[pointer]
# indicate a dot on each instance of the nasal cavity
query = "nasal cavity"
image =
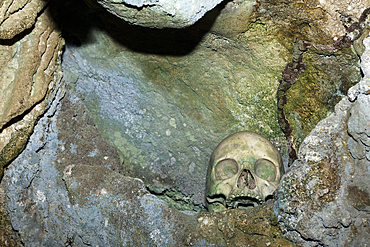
(246, 179)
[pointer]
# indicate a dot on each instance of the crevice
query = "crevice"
(175, 199)
(289, 75)
(296, 66)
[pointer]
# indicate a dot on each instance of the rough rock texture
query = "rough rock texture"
(165, 98)
(30, 68)
(324, 199)
(233, 17)
(64, 191)
(235, 227)
(166, 111)
(17, 16)
(30, 49)
(325, 81)
(336, 10)
(317, 21)
(158, 13)
(56, 199)
(173, 95)
(327, 73)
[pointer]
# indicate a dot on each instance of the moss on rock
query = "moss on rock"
(324, 82)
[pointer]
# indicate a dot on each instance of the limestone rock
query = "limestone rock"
(325, 81)
(159, 13)
(359, 120)
(234, 18)
(318, 21)
(166, 111)
(327, 75)
(362, 87)
(165, 98)
(61, 191)
(17, 16)
(336, 10)
(323, 199)
(256, 227)
(179, 92)
(29, 74)
(30, 70)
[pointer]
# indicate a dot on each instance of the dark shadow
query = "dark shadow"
(73, 18)
(77, 20)
(16, 38)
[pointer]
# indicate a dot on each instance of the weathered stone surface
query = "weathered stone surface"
(68, 187)
(8, 237)
(166, 112)
(234, 18)
(336, 10)
(254, 227)
(17, 16)
(317, 21)
(325, 81)
(359, 120)
(322, 200)
(29, 72)
(363, 87)
(326, 74)
(62, 191)
(194, 88)
(53, 201)
(159, 13)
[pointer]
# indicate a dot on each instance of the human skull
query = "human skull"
(244, 171)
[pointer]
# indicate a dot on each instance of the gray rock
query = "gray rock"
(52, 202)
(359, 121)
(324, 199)
(159, 13)
(357, 149)
(362, 87)
(166, 114)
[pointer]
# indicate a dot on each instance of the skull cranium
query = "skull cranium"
(244, 171)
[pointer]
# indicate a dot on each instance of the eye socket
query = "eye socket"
(226, 169)
(265, 169)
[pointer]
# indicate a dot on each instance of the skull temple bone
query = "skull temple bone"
(244, 171)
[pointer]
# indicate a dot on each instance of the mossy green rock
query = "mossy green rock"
(166, 112)
(166, 98)
(326, 80)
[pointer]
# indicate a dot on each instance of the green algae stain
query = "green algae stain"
(129, 151)
(325, 81)
(228, 84)
(192, 84)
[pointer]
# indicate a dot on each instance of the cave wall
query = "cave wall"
(324, 199)
(116, 152)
